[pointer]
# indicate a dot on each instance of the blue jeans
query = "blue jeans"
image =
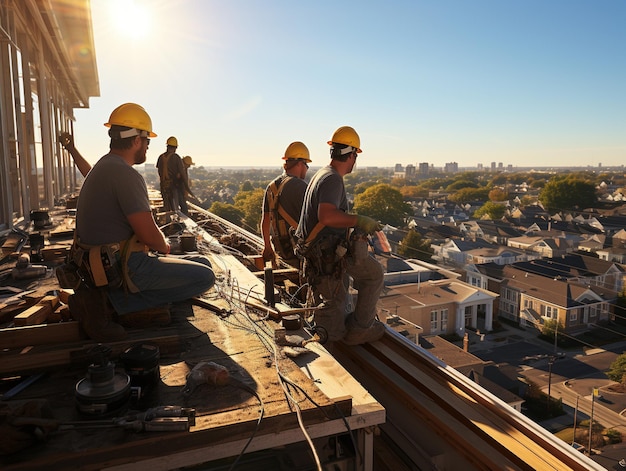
(162, 280)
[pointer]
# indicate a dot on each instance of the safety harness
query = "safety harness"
(280, 220)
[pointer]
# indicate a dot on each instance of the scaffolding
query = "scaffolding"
(47, 69)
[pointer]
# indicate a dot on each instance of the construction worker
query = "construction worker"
(330, 252)
(115, 230)
(282, 204)
(184, 190)
(171, 174)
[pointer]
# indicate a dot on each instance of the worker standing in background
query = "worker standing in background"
(115, 230)
(185, 189)
(282, 204)
(330, 252)
(171, 175)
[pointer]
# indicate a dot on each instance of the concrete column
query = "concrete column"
(460, 321)
(489, 315)
(475, 316)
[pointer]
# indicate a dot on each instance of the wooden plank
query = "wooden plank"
(43, 334)
(37, 314)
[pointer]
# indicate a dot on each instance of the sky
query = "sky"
(530, 83)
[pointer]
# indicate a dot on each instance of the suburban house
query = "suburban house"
(441, 307)
(532, 299)
(454, 251)
(575, 288)
(544, 246)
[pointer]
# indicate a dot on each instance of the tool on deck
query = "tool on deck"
(156, 419)
(24, 269)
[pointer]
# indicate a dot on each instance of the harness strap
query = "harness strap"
(275, 205)
(96, 267)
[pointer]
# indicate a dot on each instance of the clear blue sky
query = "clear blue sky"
(527, 83)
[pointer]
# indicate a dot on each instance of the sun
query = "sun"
(131, 18)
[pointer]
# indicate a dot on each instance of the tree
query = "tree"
(250, 203)
(227, 211)
(498, 194)
(383, 203)
(617, 370)
(415, 246)
(549, 326)
(467, 195)
(567, 193)
(491, 209)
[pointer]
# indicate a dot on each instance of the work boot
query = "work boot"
(152, 317)
(92, 309)
(358, 335)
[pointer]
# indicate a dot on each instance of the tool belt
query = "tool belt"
(100, 265)
(324, 256)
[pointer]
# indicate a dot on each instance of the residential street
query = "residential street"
(571, 377)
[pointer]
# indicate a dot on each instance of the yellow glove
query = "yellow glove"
(367, 224)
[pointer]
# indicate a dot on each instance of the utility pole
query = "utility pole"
(575, 420)
(556, 329)
(550, 362)
(593, 397)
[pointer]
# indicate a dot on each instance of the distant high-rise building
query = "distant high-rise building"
(493, 166)
(509, 168)
(409, 171)
(423, 168)
(480, 166)
(451, 167)
(500, 166)
(398, 168)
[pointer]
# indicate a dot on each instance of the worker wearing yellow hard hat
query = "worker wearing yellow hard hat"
(120, 281)
(282, 203)
(172, 177)
(323, 231)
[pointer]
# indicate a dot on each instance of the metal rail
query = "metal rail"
(440, 419)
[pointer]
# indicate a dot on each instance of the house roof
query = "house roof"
(505, 394)
(449, 353)
(569, 266)
(555, 291)
(432, 293)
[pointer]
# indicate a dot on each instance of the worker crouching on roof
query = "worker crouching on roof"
(331, 252)
(282, 204)
(115, 230)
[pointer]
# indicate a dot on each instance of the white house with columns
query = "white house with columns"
(441, 307)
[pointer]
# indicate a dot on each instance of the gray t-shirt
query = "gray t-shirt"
(111, 191)
(326, 186)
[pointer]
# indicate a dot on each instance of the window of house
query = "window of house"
(573, 315)
(444, 320)
(433, 321)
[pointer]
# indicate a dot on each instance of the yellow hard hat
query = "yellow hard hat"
(187, 161)
(131, 115)
(347, 136)
(297, 150)
(172, 141)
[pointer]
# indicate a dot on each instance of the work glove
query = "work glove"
(367, 224)
(66, 140)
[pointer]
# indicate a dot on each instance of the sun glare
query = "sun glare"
(131, 18)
